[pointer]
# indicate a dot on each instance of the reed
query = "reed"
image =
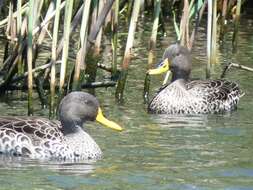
(209, 37)
(99, 23)
(20, 36)
(66, 34)
(23, 10)
(199, 8)
(94, 32)
(129, 8)
(93, 52)
(152, 41)
(83, 42)
(184, 25)
(151, 50)
(11, 25)
(128, 51)
(194, 9)
(39, 38)
(223, 19)
(99, 36)
(32, 11)
(115, 36)
(94, 12)
(44, 27)
(214, 32)
(52, 106)
(236, 23)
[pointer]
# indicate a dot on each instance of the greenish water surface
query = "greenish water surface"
(154, 151)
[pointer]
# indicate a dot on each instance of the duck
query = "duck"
(185, 96)
(63, 139)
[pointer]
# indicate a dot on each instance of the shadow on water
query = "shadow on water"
(64, 167)
(175, 121)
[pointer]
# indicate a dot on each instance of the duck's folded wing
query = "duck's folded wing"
(34, 127)
(225, 94)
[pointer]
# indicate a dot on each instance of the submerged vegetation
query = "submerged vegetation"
(26, 25)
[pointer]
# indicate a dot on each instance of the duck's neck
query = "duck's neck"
(77, 138)
(70, 127)
(83, 145)
(180, 75)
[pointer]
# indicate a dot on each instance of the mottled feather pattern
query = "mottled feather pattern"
(41, 138)
(13, 142)
(38, 128)
(196, 97)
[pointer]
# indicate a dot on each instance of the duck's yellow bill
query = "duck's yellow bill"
(101, 119)
(162, 68)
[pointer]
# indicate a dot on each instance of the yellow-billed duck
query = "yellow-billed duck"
(185, 96)
(41, 138)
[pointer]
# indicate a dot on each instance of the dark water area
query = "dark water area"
(154, 151)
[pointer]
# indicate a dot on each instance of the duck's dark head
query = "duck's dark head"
(177, 59)
(78, 107)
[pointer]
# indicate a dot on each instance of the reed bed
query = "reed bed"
(25, 25)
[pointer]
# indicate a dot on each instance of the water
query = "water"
(154, 152)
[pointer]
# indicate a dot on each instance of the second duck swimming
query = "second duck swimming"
(185, 96)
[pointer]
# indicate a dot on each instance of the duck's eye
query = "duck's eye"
(88, 102)
(159, 64)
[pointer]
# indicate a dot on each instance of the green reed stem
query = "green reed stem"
(128, 51)
(152, 46)
(115, 36)
(30, 55)
(236, 25)
(99, 36)
(152, 41)
(198, 18)
(82, 51)
(94, 12)
(84, 24)
(24, 8)
(214, 32)
(100, 21)
(19, 16)
(93, 53)
(44, 28)
(66, 34)
(223, 19)
(52, 106)
(19, 24)
(209, 37)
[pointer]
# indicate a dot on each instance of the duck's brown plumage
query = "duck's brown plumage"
(185, 96)
(36, 128)
(41, 138)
